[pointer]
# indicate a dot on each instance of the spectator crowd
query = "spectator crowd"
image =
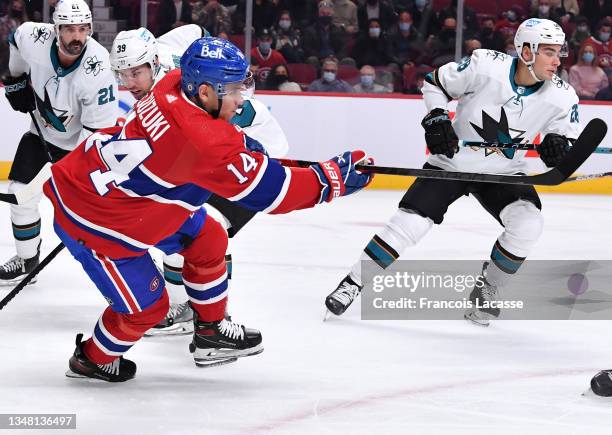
(369, 46)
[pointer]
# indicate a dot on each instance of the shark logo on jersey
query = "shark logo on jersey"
(92, 65)
(53, 117)
(40, 34)
(498, 131)
(557, 81)
(496, 55)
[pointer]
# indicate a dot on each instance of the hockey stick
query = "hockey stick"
(43, 142)
(34, 187)
(588, 177)
(30, 276)
(589, 139)
(518, 146)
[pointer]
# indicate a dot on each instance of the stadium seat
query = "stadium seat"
(152, 11)
(302, 73)
(238, 40)
(484, 7)
(348, 73)
(408, 77)
(505, 5)
(440, 4)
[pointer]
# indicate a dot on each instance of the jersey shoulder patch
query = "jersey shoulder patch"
(38, 33)
(564, 93)
(95, 60)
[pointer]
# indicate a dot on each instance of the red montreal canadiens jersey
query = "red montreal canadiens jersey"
(123, 190)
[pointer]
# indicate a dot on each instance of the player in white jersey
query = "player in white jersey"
(139, 61)
(62, 76)
(500, 99)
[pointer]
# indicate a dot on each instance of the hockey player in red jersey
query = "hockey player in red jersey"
(125, 190)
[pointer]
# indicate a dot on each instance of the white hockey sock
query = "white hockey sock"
(404, 229)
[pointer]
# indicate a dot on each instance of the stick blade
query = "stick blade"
(590, 138)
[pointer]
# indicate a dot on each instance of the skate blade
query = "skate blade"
(472, 317)
(590, 394)
(74, 375)
(203, 357)
(14, 282)
(176, 329)
(209, 364)
(327, 314)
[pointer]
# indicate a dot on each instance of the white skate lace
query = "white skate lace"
(232, 330)
(489, 292)
(112, 368)
(176, 310)
(13, 264)
(346, 293)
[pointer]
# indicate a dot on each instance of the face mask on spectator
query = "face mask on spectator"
(374, 32)
(16, 12)
(588, 57)
(544, 9)
(329, 76)
(487, 31)
(367, 80)
(604, 36)
(420, 3)
(265, 46)
(511, 15)
(325, 20)
(404, 27)
(284, 24)
(582, 29)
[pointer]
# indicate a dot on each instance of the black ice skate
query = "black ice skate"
(80, 366)
(482, 294)
(222, 342)
(340, 299)
(178, 321)
(15, 270)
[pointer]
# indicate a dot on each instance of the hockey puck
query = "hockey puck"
(577, 284)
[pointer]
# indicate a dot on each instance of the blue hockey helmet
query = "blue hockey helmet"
(213, 61)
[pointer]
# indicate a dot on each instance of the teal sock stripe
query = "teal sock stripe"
(173, 277)
(228, 265)
(379, 251)
(504, 260)
(26, 232)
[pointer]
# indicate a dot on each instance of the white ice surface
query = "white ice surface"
(344, 376)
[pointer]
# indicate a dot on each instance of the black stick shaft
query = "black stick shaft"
(43, 142)
(30, 276)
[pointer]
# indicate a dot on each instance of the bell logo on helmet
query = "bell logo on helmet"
(532, 22)
(212, 54)
(145, 35)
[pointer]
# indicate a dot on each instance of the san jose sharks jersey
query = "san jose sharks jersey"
(70, 101)
(493, 108)
(254, 117)
(173, 44)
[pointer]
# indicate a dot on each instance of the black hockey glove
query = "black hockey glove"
(553, 148)
(19, 92)
(439, 133)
